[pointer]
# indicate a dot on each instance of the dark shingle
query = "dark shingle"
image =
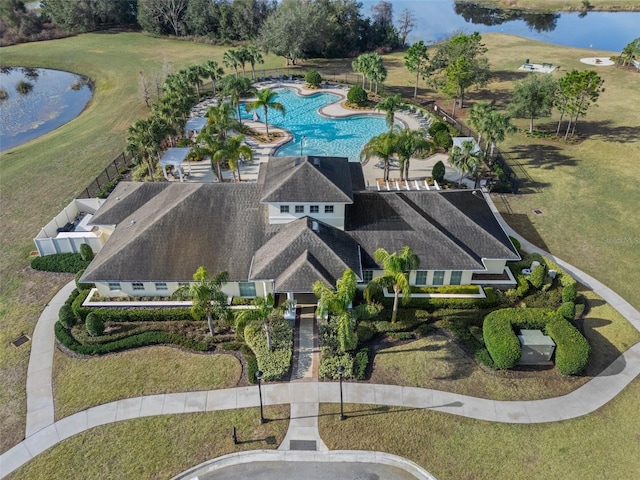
(125, 198)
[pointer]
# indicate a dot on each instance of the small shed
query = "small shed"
(537, 348)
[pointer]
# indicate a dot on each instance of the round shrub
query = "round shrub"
(443, 140)
(313, 78)
(438, 171)
(82, 286)
(94, 325)
(537, 277)
(86, 253)
(569, 293)
(66, 316)
(567, 310)
(438, 127)
(357, 95)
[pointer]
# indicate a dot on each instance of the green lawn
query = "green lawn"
(603, 444)
(144, 371)
(156, 447)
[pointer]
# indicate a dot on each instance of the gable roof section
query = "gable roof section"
(447, 230)
(185, 226)
(328, 249)
(126, 198)
(296, 277)
(307, 179)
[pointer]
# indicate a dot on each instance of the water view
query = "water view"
(438, 19)
(37, 102)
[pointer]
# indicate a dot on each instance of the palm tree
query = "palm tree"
(478, 116)
(232, 150)
(144, 139)
(382, 146)
(254, 56)
(237, 88)
(337, 302)
(264, 311)
(220, 119)
(194, 74)
(265, 100)
(396, 275)
(213, 71)
(390, 105)
(230, 60)
(408, 144)
(206, 294)
(498, 125)
(464, 159)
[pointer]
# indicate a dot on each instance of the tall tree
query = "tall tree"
(497, 127)
(390, 105)
(237, 88)
(233, 151)
(266, 100)
(214, 72)
(162, 16)
(206, 294)
(464, 159)
(478, 116)
(580, 90)
(144, 140)
(409, 143)
(406, 23)
(533, 97)
(381, 146)
(220, 119)
(396, 268)
(254, 57)
(630, 52)
(417, 61)
(230, 59)
(462, 64)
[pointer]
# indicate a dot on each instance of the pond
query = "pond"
(37, 102)
(438, 19)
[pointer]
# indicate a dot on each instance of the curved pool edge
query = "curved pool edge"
(335, 456)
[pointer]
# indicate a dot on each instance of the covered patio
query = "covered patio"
(194, 126)
(175, 157)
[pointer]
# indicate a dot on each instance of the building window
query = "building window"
(299, 208)
(438, 278)
(137, 286)
(421, 277)
(314, 209)
(114, 286)
(284, 208)
(328, 209)
(456, 278)
(183, 284)
(161, 286)
(247, 289)
(367, 276)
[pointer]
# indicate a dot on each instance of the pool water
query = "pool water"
(342, 137)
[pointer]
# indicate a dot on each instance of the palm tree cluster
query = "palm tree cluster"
(370, 66)
(491, 125)
(235, 58)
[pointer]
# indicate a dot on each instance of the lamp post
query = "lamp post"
(302, 143)
(259, 377)
(340, 373)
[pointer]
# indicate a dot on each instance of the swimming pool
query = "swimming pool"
(337, 137)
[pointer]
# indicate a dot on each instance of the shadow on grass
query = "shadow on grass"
(542, 156)
(521, 223)
(603, 352)
(271, 440)
(383, 409)
(426, 348)
(604, 130)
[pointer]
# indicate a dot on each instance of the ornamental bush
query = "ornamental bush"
(569, 293)
(567, 310)
(438, 127)
(329, 366)
(149, 314)
(60, 262)
(516, 243)
(313, 78)
(357, 95)
(572, 349)
(443, 140)
(273, 363)
(360, 363)
(83, 286)
(94, 325)
(537, 276)
(86, 253)
(66, 316)
(78, 310)
(438, 171)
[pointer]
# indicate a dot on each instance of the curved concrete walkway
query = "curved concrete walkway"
(43, 433)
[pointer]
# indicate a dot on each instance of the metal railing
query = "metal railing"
(110, 174)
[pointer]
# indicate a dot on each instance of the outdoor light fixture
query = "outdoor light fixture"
(259, 377)
(340, 373)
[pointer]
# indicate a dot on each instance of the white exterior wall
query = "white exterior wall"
(231, 289)
(494, 266)
(335, 219)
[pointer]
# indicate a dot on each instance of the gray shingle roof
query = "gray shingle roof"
(332, 248)
(126, 197)
(447, 230)
(307, 179)
(302, 273)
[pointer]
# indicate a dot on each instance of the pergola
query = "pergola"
(175, 157)
(194, 126)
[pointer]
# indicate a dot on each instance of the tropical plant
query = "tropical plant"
(254, 56)
(464, 159)
(194, 74)
(417, 61)
(220, 119)
(396, 267)
(232, 150)
(264, 311)
(230, 60)
(390, 105)
(497, 127)
(237, 88)
(409, 143)
(478, 116)
(382, 146)
(265, 99)
(213, 71)
(630, 52)
(206, 294)
(143, 141)
(438, 171)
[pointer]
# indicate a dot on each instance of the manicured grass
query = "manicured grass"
(603, 444)
(156, 447)
(42, 176)
(83, 383)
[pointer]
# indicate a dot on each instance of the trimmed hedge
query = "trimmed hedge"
(357, 95)
(140, 340)
(360, 363)
(83, 286)
(151, 314)
(563, 277)
(569, 293)
(447, 289)
(60, 262)
(567, 310)
(433, 304)
(86, 252)
(329, 366)
(273, 363)
(78, 310)
(94, 325)
(249, 356)
(537, 276)
(572, 349)
(313, 78)
(66, 316)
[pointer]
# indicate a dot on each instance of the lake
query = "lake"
(54, 99)
(438, 19)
